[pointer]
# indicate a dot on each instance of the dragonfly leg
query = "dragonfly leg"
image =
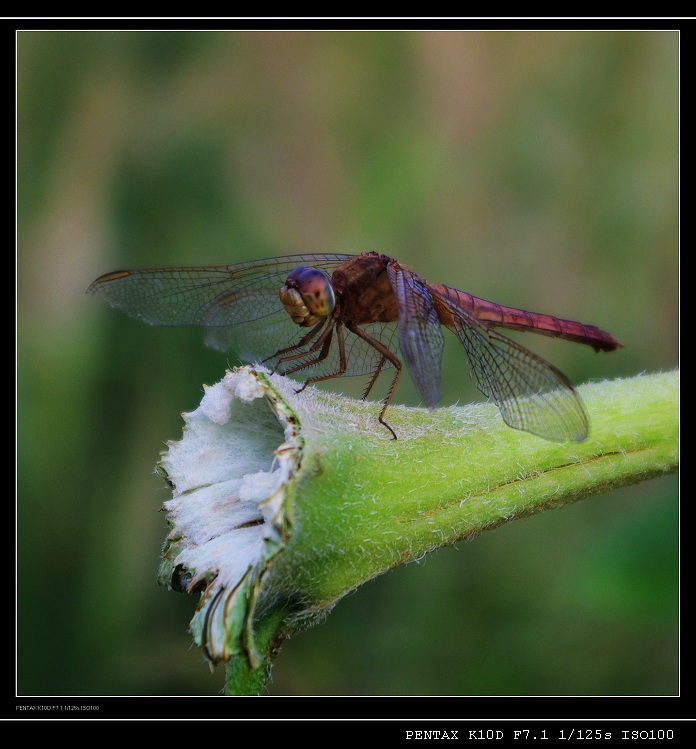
(281, 353)
(387, 355)
(325, 350)
(322, 344)
(316, 360)
(373, 379)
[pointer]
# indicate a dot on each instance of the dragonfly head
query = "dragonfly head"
(308, 296)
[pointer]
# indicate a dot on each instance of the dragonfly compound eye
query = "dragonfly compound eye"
(315, 287)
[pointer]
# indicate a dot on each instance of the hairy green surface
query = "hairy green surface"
(370, 503)
(364, 503)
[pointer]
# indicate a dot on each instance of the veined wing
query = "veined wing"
(239, 307)
(238, 304)
(531, 393)
(209, 296)
(420, 334)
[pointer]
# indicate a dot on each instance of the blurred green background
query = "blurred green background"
(538, 170)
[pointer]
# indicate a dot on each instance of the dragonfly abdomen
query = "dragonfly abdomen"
(496, 315)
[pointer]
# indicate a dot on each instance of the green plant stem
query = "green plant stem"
(363, 503)
(245, 679)
(453, 473)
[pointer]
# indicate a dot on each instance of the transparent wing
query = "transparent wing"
(420, 334)
(210, 296)
(239, 307)
(237, 304)
(531, 393)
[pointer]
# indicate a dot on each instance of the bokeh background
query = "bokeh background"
(537, 169)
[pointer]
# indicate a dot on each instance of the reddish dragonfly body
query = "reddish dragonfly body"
(355, 314)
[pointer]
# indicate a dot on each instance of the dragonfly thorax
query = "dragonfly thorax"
(308, 296)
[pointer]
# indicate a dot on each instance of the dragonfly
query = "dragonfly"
(323, 316)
